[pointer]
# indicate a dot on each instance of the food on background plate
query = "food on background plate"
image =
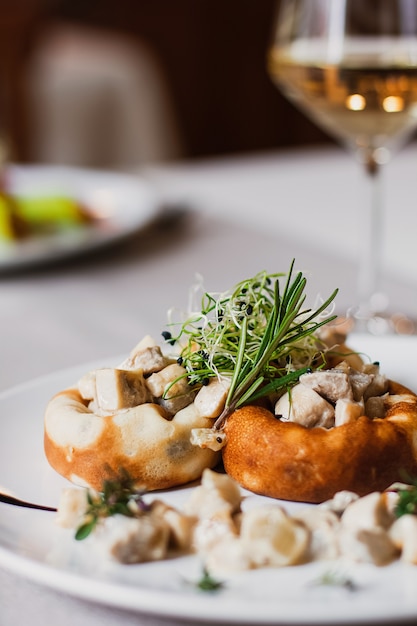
(27, 216)
(252, 377)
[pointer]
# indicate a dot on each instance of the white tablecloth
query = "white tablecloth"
(246, 214)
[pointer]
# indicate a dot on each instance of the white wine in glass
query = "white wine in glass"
(351, 66)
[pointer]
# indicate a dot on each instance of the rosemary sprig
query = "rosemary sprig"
(259, 338)
(118, 497)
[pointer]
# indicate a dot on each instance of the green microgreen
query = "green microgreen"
(260, 339)
(118, 497)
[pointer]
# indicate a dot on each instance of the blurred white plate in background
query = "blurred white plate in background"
(121, 203)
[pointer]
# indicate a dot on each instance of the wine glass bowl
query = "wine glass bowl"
(351, 66)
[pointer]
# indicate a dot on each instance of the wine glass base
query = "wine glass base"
(382, 323)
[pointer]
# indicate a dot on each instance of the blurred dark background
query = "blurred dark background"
(210, 53)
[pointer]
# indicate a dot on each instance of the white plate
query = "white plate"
(123, 203)
(31, 544)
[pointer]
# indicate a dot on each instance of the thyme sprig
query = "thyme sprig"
(336, 579)
(118, 497)
(260, 339)
(208, 583)
(407, 497)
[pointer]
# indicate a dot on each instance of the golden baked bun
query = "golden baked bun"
(286, 460)
(86, 447)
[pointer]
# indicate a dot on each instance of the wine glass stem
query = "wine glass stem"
(370, 253)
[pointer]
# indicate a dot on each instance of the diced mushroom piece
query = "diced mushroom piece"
(370, 368)
(170, 388)
(217, 541)
(87, 385)
(368, 512)
(364, 532)
(149, 360)
(174, 405)
(72, 508)
(146, 342)
(181, 526)
(391, 498)
(359, 382)
(119, 389)
(379, 384)
(271, 538)
(134, 539)
(403, 533)
(210, 400)
(340, 501)
(344, 366)
(367, 545)
(208, 438)
(158, 383)
(218, 493)
(323, 525)
(347, 411)
(375, 407)
(210, 531)
(330, 384)
(225, 486)
(227, 557)
(306, 407)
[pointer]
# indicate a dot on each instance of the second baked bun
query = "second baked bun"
(288, 461)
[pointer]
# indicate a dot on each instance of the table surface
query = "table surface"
(243, 214)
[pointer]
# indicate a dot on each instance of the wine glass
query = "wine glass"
(351, 66)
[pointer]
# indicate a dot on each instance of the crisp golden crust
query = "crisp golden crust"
(86, 448)
(288, 461)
